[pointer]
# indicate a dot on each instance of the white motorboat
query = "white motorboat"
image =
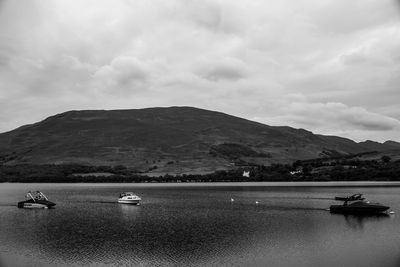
(129, 198)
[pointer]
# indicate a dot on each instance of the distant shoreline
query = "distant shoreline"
(321, 171)
(250, 184)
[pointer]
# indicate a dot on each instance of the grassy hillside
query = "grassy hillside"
(166, 140)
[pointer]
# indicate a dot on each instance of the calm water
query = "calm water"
(195, 225)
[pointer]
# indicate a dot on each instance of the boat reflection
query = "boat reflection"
(129, 212)
(358, 221)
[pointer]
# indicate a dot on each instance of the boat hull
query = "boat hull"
(373, 209)
(129, 201)
(36, 205)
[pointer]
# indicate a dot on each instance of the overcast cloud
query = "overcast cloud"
(329, 66)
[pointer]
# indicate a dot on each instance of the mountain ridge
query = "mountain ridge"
(168, 140)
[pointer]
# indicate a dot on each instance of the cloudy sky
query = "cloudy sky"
(329, 66)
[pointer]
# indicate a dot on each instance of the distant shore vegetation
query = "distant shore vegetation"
(333, 169)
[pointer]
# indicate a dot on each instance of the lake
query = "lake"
(197, 225)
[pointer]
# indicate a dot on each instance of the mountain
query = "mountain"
(173, 140)
(372, 145)
(392, 144)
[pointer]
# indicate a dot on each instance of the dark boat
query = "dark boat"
(36, 200)
(356, 204)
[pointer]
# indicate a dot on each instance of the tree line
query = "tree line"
(338, 169)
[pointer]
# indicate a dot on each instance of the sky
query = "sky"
(328, 66)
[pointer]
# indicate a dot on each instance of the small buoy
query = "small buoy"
(256, 202)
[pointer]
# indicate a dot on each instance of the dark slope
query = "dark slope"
(392, 144)
(175, 139)
(386, 146)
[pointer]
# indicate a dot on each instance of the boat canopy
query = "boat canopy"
(350, 198)
(35, 195)
(126, 194)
